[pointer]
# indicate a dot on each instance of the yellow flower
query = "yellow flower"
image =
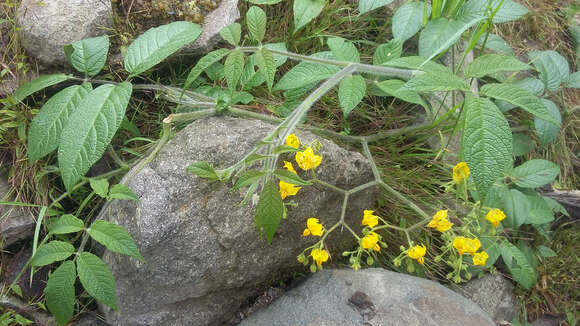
(460, 172)
(371, 241)
(440, 221)
(293, 141)
(288, 189)
(313, 227)
(417, 253)
(480, 258)
(466, 245)
(495, 216)
(319, 256)
(370, 219)
(289, 167)
(307, 159)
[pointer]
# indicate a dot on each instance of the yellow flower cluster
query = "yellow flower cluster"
(319, 256)
(370, 241)
(369, 218)
(440, 221)
(495, 216)
(460, 172)
(313, 227)
(307, 160)
(470, 246)
(418, 253)
(288, 189)
(293, 141)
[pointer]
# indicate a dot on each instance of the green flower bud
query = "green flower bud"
(411, 268)
(370, 260)
(313, 268)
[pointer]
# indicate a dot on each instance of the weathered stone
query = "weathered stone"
(203, 252)
(494, 294)
(369, 297)
(16, 223)
(47, 26)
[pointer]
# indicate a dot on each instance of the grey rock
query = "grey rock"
(224, 15)
(369, 297)
(494, 294)
(49, 25)
(203, 252)
(16, 223)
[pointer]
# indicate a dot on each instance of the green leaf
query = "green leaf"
(256, 21)
(306, 73)
(265, 61)
(496, 43)
(351, 91)
(264, 2)
(516, 207)
(535, 173)
(343, 50)
(305, 11)
(365, 6)
(60, 292)
(387, 52)
(90, 130)
(492, 248)
(234, 66)
(540, 213)
(509, 10)
(100, 187)
(440, 34)
(552, 66)
(37, 84)
(519, 97)
(573, 81)
(203, 170)
(555, 206)
(408, 19)
(248, 178)
(291, 177)
(121, 191)
(278, 58)
(522, 144)
(50, 252)
(204, 63)
(431, 82)
(521, 269)
(115, 238)
(486, 143)
(97, 279)
(269, 211)
(46, 127)
(67, 224)
(531, 84)
(493, 63)
(158, 43)
(546, 252)
(284, 149)
(394, 88)
(88, 55)
(232, 34)
(255, 157)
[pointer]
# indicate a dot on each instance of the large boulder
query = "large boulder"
(204, 255)
(46, 26)
(369, 297)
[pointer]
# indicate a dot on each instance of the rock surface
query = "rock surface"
(203, 252)
(16, 223)
(49, 25)
(369, 297)
(224, 15)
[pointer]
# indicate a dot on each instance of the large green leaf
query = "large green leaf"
(158, 43)
(47, 125)
(394, 88)
(232, 34)
(234, 66)
(256, 21)
(573, 81)
(496, 43)
(387, 52)
(97, 279)
(267, 65)
(531, 84)
(509, 11)
(203, 170)
(519, 97)
(552, 66)
(90, 130)
(305, 11)
(343, 49)
(270, 211)
(100, 186)
(351, 91)
(548, 131)
(486, 143)
(306, 73)
(37, 84)
(60, 292)
(436, 82)
(535, 173)
(204, 63)
(365, 6)
(278, 58)
(493, 63)
(114, 238)
(540, 212)
(123, 192)
(522, 144)
(408, 19)
(516, 207)
(50, 252)
(521, 269)
(440, 34)
(248, 178)
(88, 55)
(67, 224)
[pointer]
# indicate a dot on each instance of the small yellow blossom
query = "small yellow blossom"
(293, 141)
(466, 245)
(480, 258)
(288, 189)
(370, 219)
(495, 216)
(319, 256)
(371, 241)
(418, 253)
(313, 227)
(460, 172)
(289, 167)
(440, 221)
(307, 159)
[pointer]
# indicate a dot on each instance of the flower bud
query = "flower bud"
(370, 260)
(411, 268)
(313, 268)
(468, 276)
(356, 266)
(437, 259)
(301, 258)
